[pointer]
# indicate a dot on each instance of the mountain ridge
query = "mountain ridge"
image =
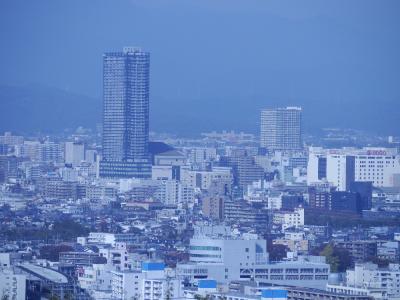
(30, 109)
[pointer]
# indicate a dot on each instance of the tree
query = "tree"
(338, 258)
(52, 252)
(68, 229)
(276, 251)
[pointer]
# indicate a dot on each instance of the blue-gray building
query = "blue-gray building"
(126, 78)
(281, 129)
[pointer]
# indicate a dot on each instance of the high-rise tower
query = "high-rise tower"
(126, 77)
(281, 129)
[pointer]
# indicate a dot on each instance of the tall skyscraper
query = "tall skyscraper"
(126, 114)
(281, 128)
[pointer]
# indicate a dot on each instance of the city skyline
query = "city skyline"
(240, 150)
(331, 56)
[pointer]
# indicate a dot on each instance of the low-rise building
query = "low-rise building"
(289, 219)
(370, 280)
(359, 250)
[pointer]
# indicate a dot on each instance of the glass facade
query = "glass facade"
(126, 77)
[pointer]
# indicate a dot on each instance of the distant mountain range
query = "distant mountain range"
(30, 109)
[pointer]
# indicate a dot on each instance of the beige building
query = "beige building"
(213, 207)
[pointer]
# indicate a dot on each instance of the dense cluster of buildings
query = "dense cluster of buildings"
(114, 214)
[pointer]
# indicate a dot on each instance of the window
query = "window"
(276, 271)
(292, 271)
(306, 270)
(212, 248)
(276, 277)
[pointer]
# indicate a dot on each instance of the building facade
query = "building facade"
(370, 280)
(342, 167)
(126, 80)
(74, 153)
(281, 128)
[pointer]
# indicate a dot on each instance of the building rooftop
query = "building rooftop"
(44, 273)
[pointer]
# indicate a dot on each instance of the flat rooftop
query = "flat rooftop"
(44, 273)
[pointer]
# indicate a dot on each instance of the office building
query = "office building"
(126, 82)
(11, 140)
(359, 250)
(12, 286)
(74, 153)
(345, 201)
(60, 189)
(288, 219)
(305, 271)
(8, 167)
(40, 151)
(215, 253)
(281, 129)
(244, 168)
(343, 167)
(370, 280)
(173, 192)
(170, 158)
(364, 192)
(244, 213)
(320, 195)
(201, 155)
(213, 207)
(96, 277)
(4, 149)
(105, 238)
(151, 283)
(203, 179)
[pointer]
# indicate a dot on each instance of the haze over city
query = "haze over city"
(199, 150)
(207, 56)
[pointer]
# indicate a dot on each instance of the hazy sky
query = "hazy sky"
(230, 55)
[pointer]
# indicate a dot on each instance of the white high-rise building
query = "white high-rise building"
(43, 152)
(281, 129)
(173, 192)
(381, 166)
(12, 285)
(74, 153)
